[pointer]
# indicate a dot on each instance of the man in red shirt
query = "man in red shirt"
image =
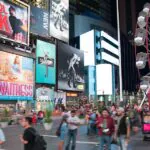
(106, 128)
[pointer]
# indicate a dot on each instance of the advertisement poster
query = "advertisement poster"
(16, 77)
(14, 21)
(70, 68)
(39, 21)
(45, 62)
(59, 19)
(44, 94)
(60, 98)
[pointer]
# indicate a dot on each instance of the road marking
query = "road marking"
(79, 142)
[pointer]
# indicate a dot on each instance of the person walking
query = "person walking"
(73, 123)
(63, 131)
(2, 138)
(28, 136)
(123, 129)
(106, 129)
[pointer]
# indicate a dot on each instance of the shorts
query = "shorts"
(62, 136)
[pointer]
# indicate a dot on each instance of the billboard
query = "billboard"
(104, 79)
(44, 94)
(87, 45)
(16, 77)
(14, 21)
(45, 62)
(39, 21)
(70, 68)
(59, 19)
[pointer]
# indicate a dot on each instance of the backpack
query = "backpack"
(39, 142)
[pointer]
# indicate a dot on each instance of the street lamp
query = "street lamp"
(119, 48)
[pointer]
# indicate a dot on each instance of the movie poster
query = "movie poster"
(45, 62)
(14, 21)
(16, 77)
(59, 19)
(39, 21)
(70, 68)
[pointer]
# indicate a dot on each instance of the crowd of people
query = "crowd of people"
(113, 126)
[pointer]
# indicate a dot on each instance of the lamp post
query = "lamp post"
(119, 48)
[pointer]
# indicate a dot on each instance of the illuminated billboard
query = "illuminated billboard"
(45, 62)
(104, 79)
(14, 21)
(70, 68)
(87, 45)
(16, 77)
(59, 19)
(39, 21)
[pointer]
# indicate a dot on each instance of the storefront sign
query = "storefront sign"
(16, 77)
(72, 94)
(14, 21)
(45, 63)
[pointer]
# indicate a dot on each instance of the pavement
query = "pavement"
(84, 142)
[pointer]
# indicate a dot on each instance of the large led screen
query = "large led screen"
(45, 62)
(87, 45)
(14, 21)
(70, 68)
(16, 77)
(59, 19)
(104, 79)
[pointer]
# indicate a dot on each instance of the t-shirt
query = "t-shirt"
(30, 137)
(73, 120)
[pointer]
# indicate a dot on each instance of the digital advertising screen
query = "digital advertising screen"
(16, 77)
(14, 21)
(45, 62)
(59, 19)
(70, 68)
(87, 45)
(104, 79)
(39, 21)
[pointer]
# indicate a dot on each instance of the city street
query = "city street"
(84, 142)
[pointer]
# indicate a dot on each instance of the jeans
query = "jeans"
(105, 140)
(71, 136)
(123, 144)
(91, 128)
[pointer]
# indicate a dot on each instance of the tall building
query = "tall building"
(99, 15)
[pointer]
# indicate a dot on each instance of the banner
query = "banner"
(45, 62)
(59, 19)
(14, 21)
(70, 68)
(16, 77)
(39, 21)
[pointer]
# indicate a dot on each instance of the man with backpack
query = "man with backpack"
(123, 129)
(30, 138)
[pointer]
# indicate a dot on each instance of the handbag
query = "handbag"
(58, 131)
